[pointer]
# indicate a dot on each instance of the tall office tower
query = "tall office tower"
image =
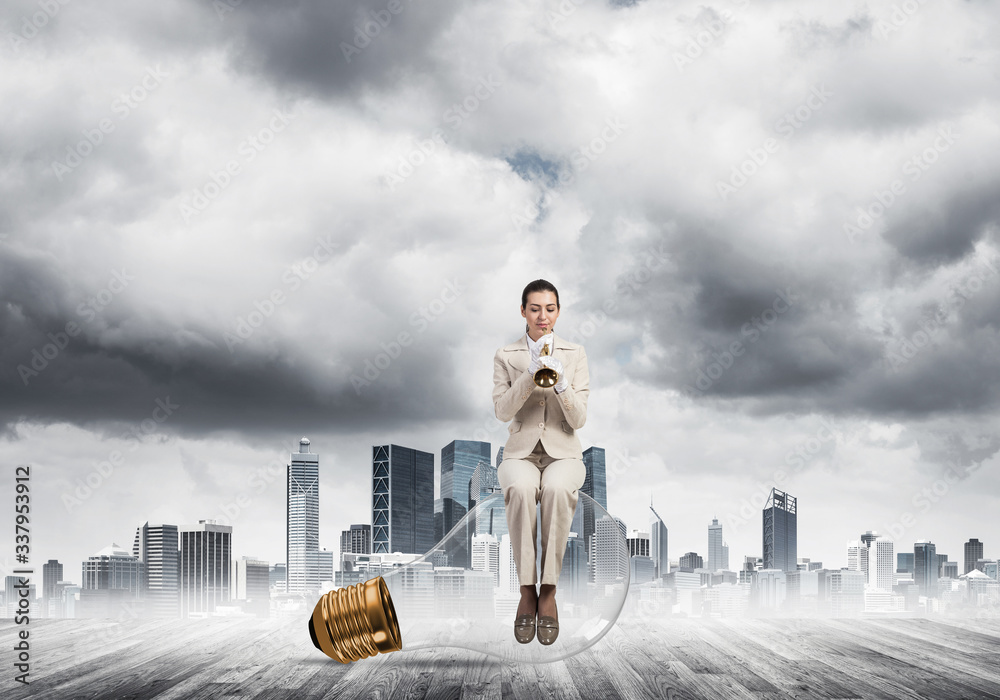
(638, 543)
(904, 562)
(718, 551)
(484, 483)
(486, 555)
(156, 546)
(402, 500)
(881, 564)
(595, 485)
(942, 559)
(52, 573)
(249, 581)
(206, 549)
(302, 512)
(857, 557)
(506, 566)
(499, 457)
(459, 459)
(357, 540)
(925, 567)
(973, 553)
(780, 532)
(658, 545)
(574, 574)
(691, 561)
(610, 564)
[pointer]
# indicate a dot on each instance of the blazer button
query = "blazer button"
(541, 425)
(542, 402)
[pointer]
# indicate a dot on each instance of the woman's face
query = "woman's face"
(541, 313)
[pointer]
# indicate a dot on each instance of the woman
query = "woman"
(543, 461)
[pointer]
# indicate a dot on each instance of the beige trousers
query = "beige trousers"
(555, 484)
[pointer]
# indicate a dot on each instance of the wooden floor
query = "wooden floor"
(660, 658)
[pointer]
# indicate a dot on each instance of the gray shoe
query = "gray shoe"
(548, 629)
(524, 628)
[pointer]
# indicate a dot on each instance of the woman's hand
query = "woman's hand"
(557, 365)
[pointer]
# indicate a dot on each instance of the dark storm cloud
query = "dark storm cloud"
(333, 48)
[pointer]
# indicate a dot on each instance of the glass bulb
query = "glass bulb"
(464, 593)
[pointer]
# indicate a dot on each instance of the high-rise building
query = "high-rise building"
(113, 568)
(595, 485)
(484, 483)
(718, 551)
(507, 568)
(486, 555)
(249, 580)
(857, 557)
(499, 457)
(869, 537)
(52, 573)
(574, 574)
(925, 567)
(881, 564)
(610, 564)
(904, 562)
(302, 512)
(357, 540)
(157, 547)
(973, 553)
(459, 459)
(402, 500)
(206, 550)
(780, 532)
(112, 585)
(638, 543)
(658, 545)
(691, 561)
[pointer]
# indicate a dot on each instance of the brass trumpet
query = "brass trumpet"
(546, 377)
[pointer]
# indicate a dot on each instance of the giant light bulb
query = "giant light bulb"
(456, 595)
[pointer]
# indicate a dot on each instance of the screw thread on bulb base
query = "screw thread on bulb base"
(355, 622)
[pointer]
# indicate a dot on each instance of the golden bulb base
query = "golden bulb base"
(355, 622)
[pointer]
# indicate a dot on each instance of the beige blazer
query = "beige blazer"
(537, 413)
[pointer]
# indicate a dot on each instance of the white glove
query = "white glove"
(553, 363)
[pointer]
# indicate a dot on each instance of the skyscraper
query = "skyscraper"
(780, 532)
(302, 533)
(881, 564)
(973, 553)
(658, 545)
(595, 485)
(402, 500)
(486, 555)
(157, 547)
(52, 573)
(357, 540)
(206, 550)
(857, 557)
(485, 482)
(718, 551)
(925, 567)
(638, 543)
(459, 460)
(610, 564)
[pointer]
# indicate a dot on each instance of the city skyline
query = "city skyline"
(596, 453)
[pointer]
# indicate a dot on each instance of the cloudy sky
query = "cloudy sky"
(773, 225)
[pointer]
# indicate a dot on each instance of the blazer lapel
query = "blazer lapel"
(519, 356)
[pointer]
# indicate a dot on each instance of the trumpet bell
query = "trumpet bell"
(546, 377)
